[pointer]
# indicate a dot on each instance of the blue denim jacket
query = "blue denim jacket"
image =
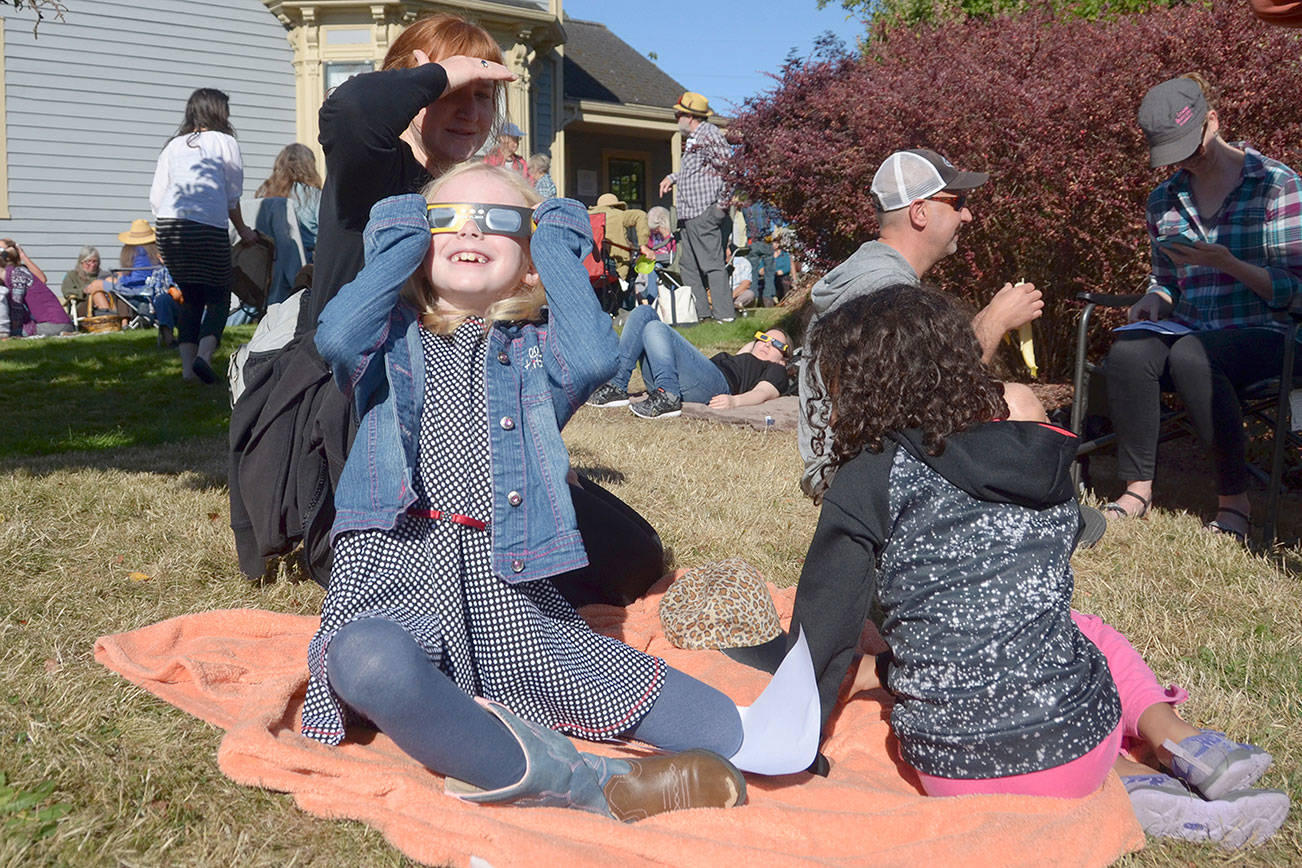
(535, 376)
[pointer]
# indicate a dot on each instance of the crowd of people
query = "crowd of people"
(948, 515)
(1000, 685)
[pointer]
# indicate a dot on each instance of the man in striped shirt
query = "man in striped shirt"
(702, 206)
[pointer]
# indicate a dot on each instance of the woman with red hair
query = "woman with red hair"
(431, 105)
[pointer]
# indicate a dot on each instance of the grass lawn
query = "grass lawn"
(103, 392)
(113, 515)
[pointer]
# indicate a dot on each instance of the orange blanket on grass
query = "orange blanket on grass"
(245, 671)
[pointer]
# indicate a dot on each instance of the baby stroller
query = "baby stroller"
(674, 303)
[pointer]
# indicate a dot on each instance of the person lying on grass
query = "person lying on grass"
(999, 685)
(675, 371)
(441, 625)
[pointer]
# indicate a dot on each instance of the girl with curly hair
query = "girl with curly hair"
(952, 512)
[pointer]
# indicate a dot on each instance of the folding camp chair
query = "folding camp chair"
(135, 295)
(70, 305)
(610, 290)
(274, 217)
(254, 267)
(1268, 401)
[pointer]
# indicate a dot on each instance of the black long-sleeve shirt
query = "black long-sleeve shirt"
(365, 162)
(967, 553)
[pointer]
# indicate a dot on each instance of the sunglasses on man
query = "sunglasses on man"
(958, 203)
(780, 346)
(510, 220)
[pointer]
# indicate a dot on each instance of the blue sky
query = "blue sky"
(721, 48)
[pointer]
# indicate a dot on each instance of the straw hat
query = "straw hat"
(692, 103)
(139, 233)
(610, 200)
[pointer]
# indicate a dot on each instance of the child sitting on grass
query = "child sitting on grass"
(957, 518)
(440, 625)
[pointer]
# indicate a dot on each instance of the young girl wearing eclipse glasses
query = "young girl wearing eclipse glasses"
(440, 625)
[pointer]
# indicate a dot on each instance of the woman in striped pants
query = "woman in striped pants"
(196, 189)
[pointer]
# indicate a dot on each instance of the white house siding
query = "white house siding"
(91, 101)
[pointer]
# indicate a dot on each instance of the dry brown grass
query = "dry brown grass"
(141, 779)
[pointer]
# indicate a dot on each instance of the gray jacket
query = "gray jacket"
(874, 266)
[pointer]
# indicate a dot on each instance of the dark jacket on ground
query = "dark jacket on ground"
(289, 437)
(291, 429)
(967, 554)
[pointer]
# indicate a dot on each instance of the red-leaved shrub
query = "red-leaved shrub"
(1047, 105)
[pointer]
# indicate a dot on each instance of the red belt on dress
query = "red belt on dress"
(442, 515)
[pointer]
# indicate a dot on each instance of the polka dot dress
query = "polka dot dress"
(522, 645)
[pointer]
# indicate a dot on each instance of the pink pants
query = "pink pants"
(1138, 688)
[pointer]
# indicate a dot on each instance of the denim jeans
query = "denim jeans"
(761, 258)
(650, 290)
(166, 310)
(669, 361)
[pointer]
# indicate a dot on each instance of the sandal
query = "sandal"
(1117, 509)
(1217, 527)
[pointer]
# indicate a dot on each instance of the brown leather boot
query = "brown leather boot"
(558, 775)
(692, 779)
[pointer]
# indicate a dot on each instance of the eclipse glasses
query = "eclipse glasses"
(509, 220)
(780, 346)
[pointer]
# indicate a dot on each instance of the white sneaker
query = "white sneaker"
(1167, 810)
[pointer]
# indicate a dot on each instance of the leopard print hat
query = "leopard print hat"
(724, 604)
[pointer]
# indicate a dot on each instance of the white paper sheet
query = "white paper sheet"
(780, 731)
(1161, 326)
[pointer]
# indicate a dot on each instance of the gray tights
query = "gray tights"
(380, 671)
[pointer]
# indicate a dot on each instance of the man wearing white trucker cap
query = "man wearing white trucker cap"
(921, 201)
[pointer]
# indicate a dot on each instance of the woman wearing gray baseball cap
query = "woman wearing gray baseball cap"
(1226, 254)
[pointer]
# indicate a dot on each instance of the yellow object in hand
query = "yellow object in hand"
(1027, 342)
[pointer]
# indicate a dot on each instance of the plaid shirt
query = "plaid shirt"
(700, 179)
(1261, 223)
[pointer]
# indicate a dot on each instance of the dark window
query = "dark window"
(628, 180)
